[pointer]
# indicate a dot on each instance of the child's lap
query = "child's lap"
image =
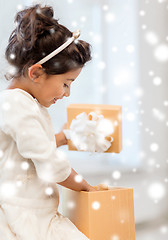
(21, 223)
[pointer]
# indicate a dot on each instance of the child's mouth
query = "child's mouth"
(54, 100)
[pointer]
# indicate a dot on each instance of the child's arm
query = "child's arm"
(75, 185)
(60, 139)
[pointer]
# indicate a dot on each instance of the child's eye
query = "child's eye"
(65, 85)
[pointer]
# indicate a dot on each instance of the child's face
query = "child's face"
(54, 87)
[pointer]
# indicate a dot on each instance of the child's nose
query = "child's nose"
(67, 92)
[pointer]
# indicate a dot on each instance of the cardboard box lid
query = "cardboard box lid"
(110, 112)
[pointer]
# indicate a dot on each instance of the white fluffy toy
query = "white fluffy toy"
(90, 132)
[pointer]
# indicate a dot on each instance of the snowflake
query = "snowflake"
(165, 103)
(158, 114)
(105, 7)
(151, 38)
(130, 48)
(97, 38)
(142, 13)
(114, 49)
(151, 162)
(101, 65)
(19, 7)
(76, 41)
(6, 106)
(143, 26)
(19, 183)
(157, 165)
(74, 24)
(12, 70)
(161, 1)
(102, 89)
(49, 191)
(161, 53)
(7, 189)
(115, 237)
(156, 191)
(116, 175)
(130, 117)
(109, 17)
(78, 178)
(157, 81)
(139, 92)
(9, 164)
(132, 64)
(151, 73)
(154, 147)
(83, 19)
(24, 165)
(95, 205)
(123, 77)
(1, 153)
(52, 31)
(163, 229)
(12, 56)
(113, 197)
(128, 142)
(70, 204)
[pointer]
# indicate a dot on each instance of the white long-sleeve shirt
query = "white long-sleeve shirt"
(30, 163)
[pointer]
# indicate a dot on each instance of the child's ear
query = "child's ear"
(35, 71)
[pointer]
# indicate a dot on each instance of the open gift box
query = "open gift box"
(110, 112)
(101, 215)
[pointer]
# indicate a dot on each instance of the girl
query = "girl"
(46, 61)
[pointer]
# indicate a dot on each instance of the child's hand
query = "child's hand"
(64, 126)
(99, 187)
(65, 141)
(92, 189)
(60, 137)
(102, 187)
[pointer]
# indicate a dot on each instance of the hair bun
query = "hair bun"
(33, 22)
(46, 11)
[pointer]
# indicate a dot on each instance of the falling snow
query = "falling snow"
(71, 204)
(157, 81)
(1, 154)
(49, 191)
(122, 88)
(6, 106)
(116, 174)
(7, 189)
(154, 147)
(158, 114)
(12, 56)
(96, 205)
(115, 237)
(152, 38)
(109, 17)
(78, 178)
(161, 53)
(156, 191)
(25, 165)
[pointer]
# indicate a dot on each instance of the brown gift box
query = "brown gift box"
(110, 112)
(101, 215)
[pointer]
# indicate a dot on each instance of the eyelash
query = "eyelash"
(65, 85)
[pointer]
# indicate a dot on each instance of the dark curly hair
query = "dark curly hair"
(36, 35)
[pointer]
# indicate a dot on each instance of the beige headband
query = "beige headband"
(75, 35)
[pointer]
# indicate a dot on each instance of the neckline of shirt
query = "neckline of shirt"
(25, 93)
